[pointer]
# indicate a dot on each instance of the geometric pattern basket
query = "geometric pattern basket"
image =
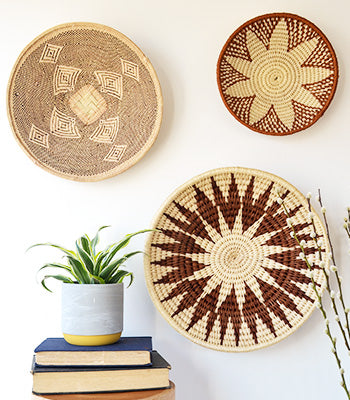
(84, 102)
(222, 267)
(277, 74)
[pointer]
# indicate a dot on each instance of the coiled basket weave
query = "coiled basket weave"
(84, 102)
(277, 74)
(223, 269)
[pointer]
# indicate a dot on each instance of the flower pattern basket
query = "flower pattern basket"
(277, 74)
(223, 269)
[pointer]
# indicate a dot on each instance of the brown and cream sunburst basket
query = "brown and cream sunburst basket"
(84, 102)
(223, 269)
(277, 74)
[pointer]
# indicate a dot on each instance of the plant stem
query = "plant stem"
(319, 299)
(341, 297)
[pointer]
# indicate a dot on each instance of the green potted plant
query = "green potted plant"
(92, 289)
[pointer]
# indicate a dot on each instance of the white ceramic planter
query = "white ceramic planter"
(92, 314)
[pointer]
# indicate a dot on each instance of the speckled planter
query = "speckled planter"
(92, 314)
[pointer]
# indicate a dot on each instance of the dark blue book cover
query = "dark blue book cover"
(128, 351)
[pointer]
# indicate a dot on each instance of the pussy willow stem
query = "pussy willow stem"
(321, 308)
(341, 298)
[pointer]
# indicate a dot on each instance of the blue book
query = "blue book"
(128, 351)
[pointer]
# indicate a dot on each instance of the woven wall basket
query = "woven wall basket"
(223, 269)
(84, 102)
(277, 74)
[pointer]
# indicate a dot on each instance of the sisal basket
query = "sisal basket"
(223, 269)
(84, 102)
(277, 74)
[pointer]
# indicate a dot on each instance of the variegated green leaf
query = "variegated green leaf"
(62, 278)
(85, 258)
(96, 239)
(79, 270)
(66, 251)
(120, 276)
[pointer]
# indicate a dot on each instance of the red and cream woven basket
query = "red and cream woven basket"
(84, 102)
(223, 269)
(277, 74)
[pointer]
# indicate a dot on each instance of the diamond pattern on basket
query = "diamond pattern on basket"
(107, 131)
(50, 53)
(38, 136)
(130, 69)
(65, 78)
(111, 83)
(116, 153)
(63, 125)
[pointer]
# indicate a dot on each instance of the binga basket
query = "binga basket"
(277, 74)
(84, 102)
(223, 269)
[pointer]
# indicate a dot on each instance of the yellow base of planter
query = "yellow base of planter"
(97, 340)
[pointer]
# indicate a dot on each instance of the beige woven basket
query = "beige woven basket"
(84, 102)
(223, 269)
(277, 74)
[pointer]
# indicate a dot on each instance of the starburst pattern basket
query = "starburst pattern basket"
(223, 269)
(84, 102)
(277, 74)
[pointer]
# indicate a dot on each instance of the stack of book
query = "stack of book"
(64, 371)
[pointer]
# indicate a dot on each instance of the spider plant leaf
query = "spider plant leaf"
(85, 257)
(109, 270)
(56, 246)
(86, 244)
(96, 239)
(62, 278)
(120, 245)
(98, 262)
(120, 276)
(97, 279)
(60, 266)
(54, 265)
(79, 270)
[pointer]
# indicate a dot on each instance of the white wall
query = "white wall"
(183, 40)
